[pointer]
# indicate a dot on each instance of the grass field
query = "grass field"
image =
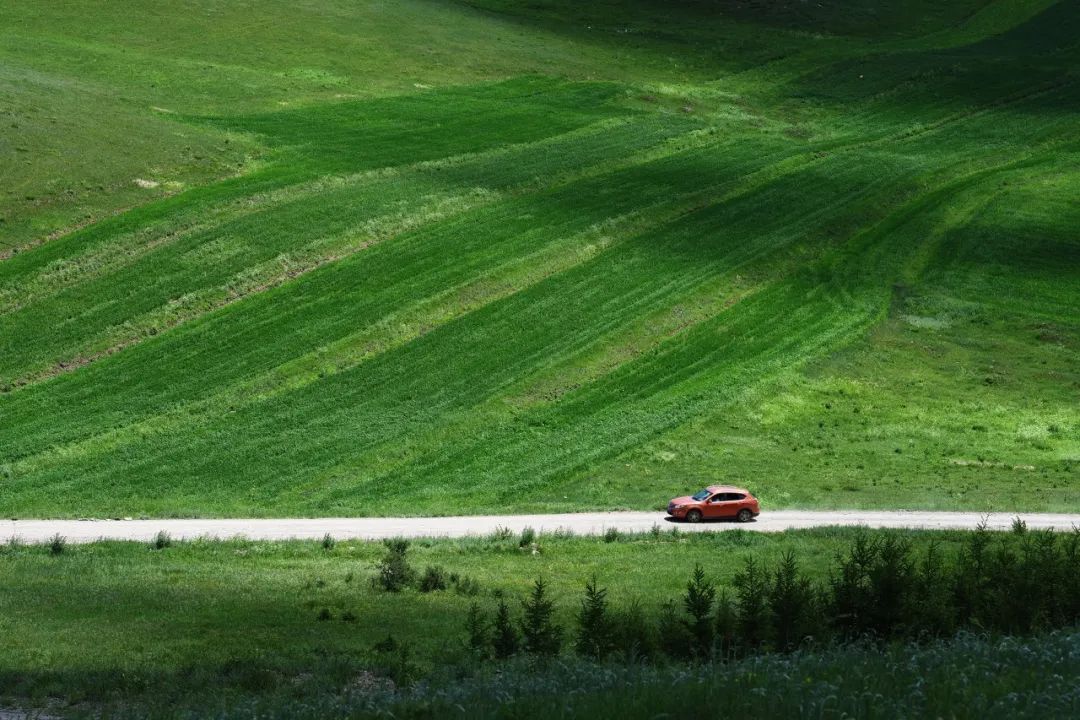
(961, 678)
(330, 258)
(212, 622)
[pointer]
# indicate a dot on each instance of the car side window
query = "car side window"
(719, 497)
(736, 496)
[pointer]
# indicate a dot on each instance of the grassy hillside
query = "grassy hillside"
(432, 257)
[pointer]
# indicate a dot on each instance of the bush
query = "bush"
(328, 542)
(161, 541)
(528, 537)
(611, 535)
(393, 659)
(57, 544)
(465, 585)
(596, 633)
(434, 578)
(541, 636)
(394, 573)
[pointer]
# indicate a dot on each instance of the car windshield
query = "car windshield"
(702, 495)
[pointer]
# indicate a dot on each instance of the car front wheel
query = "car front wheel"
(694, 516)
(744, 516)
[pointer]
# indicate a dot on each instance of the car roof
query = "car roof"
(727, 488)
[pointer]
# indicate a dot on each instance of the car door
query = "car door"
(716, 507)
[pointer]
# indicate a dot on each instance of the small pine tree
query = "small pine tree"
(726, 624)
(395, 574)
(933, 615)
(675, 640)
(698, 603)
(972, 584)
(541, 635)
(635, 636)
(892, 576)
(596, 634)
(1070, 558)
(751, 586)
(476, 625)
(791, 604)
(504, 639)
(849, 589)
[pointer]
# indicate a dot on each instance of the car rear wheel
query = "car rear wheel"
(744, 515)
(694, 516)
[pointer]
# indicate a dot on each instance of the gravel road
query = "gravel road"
(79, 531)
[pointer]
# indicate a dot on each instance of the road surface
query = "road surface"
(596, 523)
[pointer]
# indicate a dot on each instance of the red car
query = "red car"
(716, 502)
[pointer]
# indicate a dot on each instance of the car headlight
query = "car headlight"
(678, 507)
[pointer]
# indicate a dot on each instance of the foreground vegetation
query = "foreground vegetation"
(967, 677)
(243, 625)
(429, 257)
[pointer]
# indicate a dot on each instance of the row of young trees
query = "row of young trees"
(878, 588)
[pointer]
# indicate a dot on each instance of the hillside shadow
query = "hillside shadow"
(1035, 61)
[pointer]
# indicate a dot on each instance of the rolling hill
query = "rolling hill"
(426, 257)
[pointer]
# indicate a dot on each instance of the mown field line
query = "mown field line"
(284, 268)
(256, 279)
(585, 523)
(267, 386)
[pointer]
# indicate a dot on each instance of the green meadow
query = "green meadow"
(305, 629)
(212, 621)
(423, 257)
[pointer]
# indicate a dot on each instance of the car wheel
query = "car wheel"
(744, 515)
(694, 516)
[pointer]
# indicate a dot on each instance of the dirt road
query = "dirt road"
(579, 523)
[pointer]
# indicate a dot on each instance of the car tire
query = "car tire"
(744, 516)
(694, 516)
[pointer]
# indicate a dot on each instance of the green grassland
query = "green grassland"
(206, 620)
(434, 257)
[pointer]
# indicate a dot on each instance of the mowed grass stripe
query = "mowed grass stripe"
(220, 264)
(381, 279)
(589, 148)
(620, 275)
(541, 446)
(407, 324)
